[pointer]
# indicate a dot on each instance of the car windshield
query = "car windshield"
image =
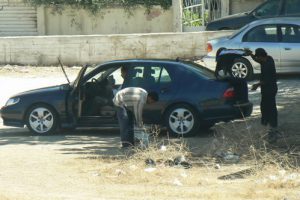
(88, 70)
(199, 69)
(237, 32)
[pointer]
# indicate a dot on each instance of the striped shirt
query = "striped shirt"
(132, 98)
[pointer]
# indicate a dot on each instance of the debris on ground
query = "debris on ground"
(228, 157)
(179, 161)
(237, 175)
(150, 169)
(150, 162)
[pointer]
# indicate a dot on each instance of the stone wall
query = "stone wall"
(73, 50)
(108, 21)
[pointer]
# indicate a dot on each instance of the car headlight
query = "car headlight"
(12, 101)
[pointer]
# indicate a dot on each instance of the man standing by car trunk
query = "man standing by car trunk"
(268, 85)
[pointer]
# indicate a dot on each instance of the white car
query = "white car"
(280, 37)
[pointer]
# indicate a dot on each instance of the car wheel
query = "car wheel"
(182, 120)
(41, 119)
(242, 68)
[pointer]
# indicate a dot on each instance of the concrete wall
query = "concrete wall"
(108, 21)
(238, 6)
(44, 50)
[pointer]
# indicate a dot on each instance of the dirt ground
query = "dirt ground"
(88, 164)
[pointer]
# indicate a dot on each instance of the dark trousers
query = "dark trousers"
(268, 108)
(126, 123)
(241, 88)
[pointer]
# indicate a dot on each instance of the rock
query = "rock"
(228, 157)
(169, 163)
(179, 159)
(217, 166)
(150, 169)
(150, 162)
(185, 165)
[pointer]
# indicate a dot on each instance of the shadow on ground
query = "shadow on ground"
(81, 142)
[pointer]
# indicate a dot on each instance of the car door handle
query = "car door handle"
(287, 49)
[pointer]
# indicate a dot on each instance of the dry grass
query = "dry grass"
(262, 173)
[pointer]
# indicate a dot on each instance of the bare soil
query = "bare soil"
(88, 164)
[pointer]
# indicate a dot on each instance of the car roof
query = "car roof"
(183, 63)
(166, 61)
(277, 20)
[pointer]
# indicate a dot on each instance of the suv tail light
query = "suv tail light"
(229, 93)
(209, 48)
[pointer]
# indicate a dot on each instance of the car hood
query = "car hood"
(40, 91)
(232, 17)
(230, 22)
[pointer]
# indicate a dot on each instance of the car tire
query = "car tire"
(242, 68)
(41, 119)
(182, 120)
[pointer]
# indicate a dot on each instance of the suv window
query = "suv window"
(263, 33)
(292, 7)
(290, 33)
(269, 9)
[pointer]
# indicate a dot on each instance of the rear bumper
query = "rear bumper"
(244, 109)
(228, 112)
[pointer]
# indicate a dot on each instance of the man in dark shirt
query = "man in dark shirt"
(268, 85)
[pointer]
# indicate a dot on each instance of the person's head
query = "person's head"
(261, 54)
(152, 97)
(124, 71)
(219, 52)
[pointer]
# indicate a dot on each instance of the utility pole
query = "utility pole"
(177, 15)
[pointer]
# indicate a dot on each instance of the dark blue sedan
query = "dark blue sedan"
(190, 98)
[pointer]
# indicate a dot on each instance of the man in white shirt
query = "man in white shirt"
(130, 103)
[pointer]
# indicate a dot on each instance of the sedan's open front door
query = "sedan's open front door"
(75, 98)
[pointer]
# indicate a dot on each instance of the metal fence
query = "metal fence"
(200, 12)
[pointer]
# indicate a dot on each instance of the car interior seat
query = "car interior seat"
(148, 79)
(132, 79)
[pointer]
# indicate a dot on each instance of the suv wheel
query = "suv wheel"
(242, 68)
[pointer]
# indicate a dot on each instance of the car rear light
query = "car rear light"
(209, 48)
(229, 93)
